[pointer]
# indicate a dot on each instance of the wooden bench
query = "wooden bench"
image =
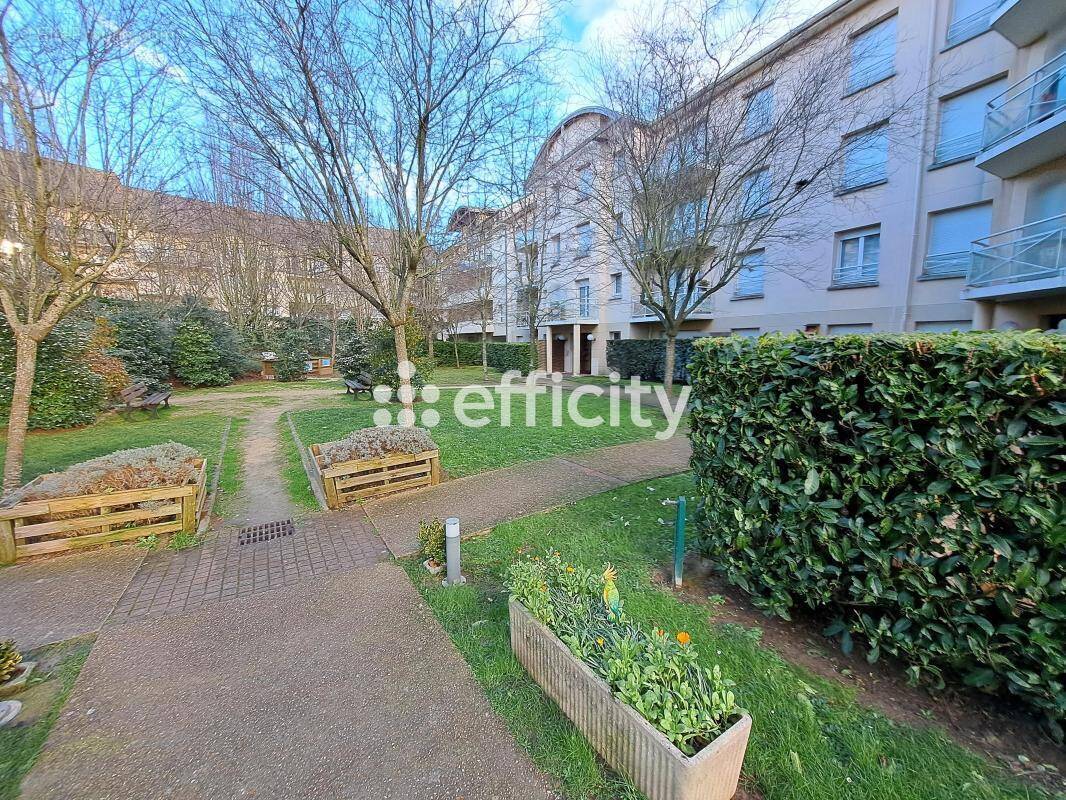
(137, 397)
(362, 383)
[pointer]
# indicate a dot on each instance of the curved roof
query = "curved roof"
(581, 112)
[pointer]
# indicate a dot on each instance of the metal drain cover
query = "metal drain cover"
(264, 532)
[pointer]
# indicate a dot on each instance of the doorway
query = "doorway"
(586, 356)
(558, 355)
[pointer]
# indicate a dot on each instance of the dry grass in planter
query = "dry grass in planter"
(125, 495)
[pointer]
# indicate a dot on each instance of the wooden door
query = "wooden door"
(558, 355)
(586, 356)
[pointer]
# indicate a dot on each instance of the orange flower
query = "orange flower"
(683, 637)
(660, 632)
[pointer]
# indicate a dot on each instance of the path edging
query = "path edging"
(305, 459)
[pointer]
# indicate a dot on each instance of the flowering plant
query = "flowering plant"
(657, 674)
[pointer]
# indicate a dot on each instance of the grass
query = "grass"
(231, 476)
(444, 375)
(811, 740)
(20, 743)
(292, 469)
(48, 451)
(466, 450)
(258, 385)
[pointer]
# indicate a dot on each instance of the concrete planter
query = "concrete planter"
(625, 740)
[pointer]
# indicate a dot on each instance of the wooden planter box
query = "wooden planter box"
(348, 481)
(625, 740)
(36, 527)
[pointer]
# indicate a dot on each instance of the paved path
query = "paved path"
(342, 688)
(481, 501)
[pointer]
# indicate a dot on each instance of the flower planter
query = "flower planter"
(622, 737)
(17, 682)
(37, 527)
(348, 481)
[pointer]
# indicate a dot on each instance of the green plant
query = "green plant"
(383, 365)
(431, 539)
(376, 442)
(197, 361)
(149, 543)
(645, 358)
(66, 390)
(354, 357)
(292, 355)
(909, 486)
(183, 540)
(658, 674)
(142, 341)
(10, 658)
(502, 356)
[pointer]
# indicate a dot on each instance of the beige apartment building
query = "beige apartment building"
(959, 223)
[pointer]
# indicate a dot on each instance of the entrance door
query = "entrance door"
(586, 356)
(558, 355)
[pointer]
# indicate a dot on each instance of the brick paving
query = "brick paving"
(223, 568)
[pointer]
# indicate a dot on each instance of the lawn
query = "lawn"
(43, 699)
(466, 450)
(444, 375)
(811, 740)
(258, 386)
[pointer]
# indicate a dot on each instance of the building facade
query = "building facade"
(958, 224)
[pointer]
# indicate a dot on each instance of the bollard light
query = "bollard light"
(451, 551)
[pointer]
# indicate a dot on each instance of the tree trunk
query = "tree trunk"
(484, 351)
(18, 421)
(668, 365)
(534, 363)
(455, 348)
(431, 337)
(404, 367)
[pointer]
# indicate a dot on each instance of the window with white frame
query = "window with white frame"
(760, 111)
(951, 234)
(584, 181)
(688, 219)
(584, 298)
(615, 335)
(865, 159)
(970, 18)
(747, 333)
(619, 228)
(944, 326)
(756, 192)
(584, 238)
(845, 328)
(858, 257)
(556, 248)
(873, 55)
(962, 121)
(751, 276)
(616, 284)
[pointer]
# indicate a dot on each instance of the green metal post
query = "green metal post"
(679, 541)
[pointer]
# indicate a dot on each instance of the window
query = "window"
(760, 112)
(858, 257)
(556, 249)
(945, 326)
(873, 55)
(756, 194)
(747, 333)
(688, 221)
(865, 159)
(619, 164)
(950, 235)
(616, 284)
(584, 299)
(584, 181)
(851, 327)
(969, 18)
(584, 238)
(962, 122)
(619, 229)
(615, 335)
(751, 274)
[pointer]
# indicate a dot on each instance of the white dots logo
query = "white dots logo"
(405, 393)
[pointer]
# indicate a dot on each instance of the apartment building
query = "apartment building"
(958, 224)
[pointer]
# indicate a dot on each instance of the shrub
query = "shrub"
(110, 368)
(431, 539)
(143, 342)
(377, 442)
(657, 674)
(383, 364)
(10, 658)
(292, 356)
(910, 486)
(502, 356)
(197, 361)
(169, 464)
(647, 357)
(66, 391)
(354, 356)
(226, 342)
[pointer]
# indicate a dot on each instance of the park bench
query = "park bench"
(361, 383)
(137, 396)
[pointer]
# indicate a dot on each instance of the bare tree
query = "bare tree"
(717, 154)
(84, 107)
(374, 113)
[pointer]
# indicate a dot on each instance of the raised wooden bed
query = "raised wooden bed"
(36, 527)
(624, 739)
(348, 481)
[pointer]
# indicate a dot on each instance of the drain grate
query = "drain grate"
(265, 532)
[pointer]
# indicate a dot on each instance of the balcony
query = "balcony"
(947, 265)
(975, 24)
(642, 312)
(1024, 21)
(1026, 125)
(572, 310)
(1028, 261)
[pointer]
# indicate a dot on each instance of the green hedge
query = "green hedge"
(502, 356)
(647, 357)
(908, 486)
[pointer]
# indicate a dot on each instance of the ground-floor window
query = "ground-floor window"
(851, 327)
(943, 326)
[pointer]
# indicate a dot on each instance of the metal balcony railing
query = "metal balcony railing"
(1033, 99)
(959, 147)
(945, 265)
(1031, 252)
(642, 310)
(976, 23)
(577, 308)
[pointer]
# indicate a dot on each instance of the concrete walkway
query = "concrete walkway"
(347, 688)
(482, 501)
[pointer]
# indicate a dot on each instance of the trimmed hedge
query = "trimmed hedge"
(910, 486)
(502, 356)
(647, 357)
